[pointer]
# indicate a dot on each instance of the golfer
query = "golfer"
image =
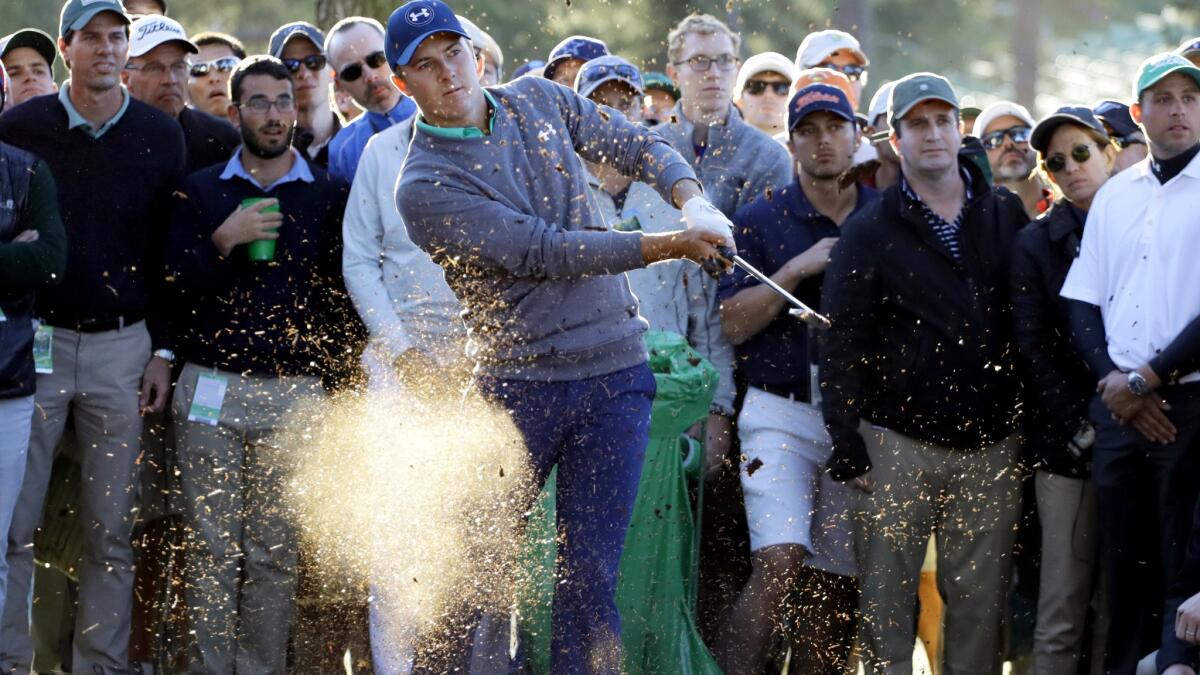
(495, 191)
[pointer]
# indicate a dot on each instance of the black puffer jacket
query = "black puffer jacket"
(1058, 384)
(921, 343)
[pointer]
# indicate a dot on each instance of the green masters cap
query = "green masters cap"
(32, 38)
(913, 89)
(77, 13)
(1159, 66)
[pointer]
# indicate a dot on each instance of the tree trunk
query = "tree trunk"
(1025, 52)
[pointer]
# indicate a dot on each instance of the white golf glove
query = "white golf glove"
(700, 214)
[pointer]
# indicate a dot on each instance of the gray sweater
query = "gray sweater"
(511, 219)
(739, 162)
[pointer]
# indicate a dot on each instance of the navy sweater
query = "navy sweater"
(114, 195)
(276, 318)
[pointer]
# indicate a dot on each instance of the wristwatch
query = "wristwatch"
(1137, 384)
(165, 354)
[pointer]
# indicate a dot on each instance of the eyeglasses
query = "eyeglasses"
(701, 64)
(1055, 163)
(262, 104)
(1126, 141)
(852, 71)
(598, 73)
(313, 62)
(157, 69)
(223, 64)
(757, 87)
(353, 71)
(993, 140)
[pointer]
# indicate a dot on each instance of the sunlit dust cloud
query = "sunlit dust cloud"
(420, 496)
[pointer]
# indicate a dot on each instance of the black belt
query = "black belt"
(99, 325)
(801, 396)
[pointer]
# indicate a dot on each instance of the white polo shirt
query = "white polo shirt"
(1140, 261)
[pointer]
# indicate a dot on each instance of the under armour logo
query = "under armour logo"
(419, 17)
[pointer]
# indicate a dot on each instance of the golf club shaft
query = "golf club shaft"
(800, 310)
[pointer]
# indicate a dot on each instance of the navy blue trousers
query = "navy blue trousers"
(595, 431)
(1145, 493)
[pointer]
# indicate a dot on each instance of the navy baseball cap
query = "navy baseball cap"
(32, 38)
(1116, 115)
(1070, 114)
(414, 21)
(528, 66)
(293, 30)
(579, 47)
(817, 97)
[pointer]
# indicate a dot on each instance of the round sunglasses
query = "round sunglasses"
(353, 71)
(1057, 162)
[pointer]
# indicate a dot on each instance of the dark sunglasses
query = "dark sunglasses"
(313, 62)
(1055, 163)
(600, 73)
(354, 70)
(1126, 141)
(757, 87)
(995, 139)
(223, 65)
(850, 70)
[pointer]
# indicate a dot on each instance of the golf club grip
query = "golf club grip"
(714, 267)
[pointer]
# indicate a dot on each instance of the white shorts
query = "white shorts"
(790, 499)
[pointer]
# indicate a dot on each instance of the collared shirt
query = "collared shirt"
(946, 231)
(459, 133)
(769, 233)
(1137, 261)
(75, 119)
(299, 171)
(346, 147)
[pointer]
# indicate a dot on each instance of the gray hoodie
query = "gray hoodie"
(511, 219)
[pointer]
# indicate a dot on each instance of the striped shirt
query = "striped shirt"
(946, 231)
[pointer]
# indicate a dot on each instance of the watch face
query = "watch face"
(1137, 384)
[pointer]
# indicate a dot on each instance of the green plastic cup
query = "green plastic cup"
(262, 250)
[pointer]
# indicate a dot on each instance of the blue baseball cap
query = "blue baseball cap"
(608, 69)
(579, 47)
(1115, 115)
(290, 31)
(414, 21)
(817, 97)
(528, 66)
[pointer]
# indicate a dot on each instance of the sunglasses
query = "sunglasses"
(1126, 141)
(313, 62)
(223, 64)
(629, 74)
(757, 87)
(850, 70)
(1055, 163)
(354, 70)
(1019, 134)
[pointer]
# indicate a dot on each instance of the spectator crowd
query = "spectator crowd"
(1005, 403)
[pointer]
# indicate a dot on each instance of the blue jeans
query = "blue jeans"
(595, 430)
(16, 419)
(1145, 493)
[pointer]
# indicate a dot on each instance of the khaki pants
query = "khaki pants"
(972, 500)
(1069, 582)
(242, 568)
(97, 376)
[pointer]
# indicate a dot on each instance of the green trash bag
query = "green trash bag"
(656, 590)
